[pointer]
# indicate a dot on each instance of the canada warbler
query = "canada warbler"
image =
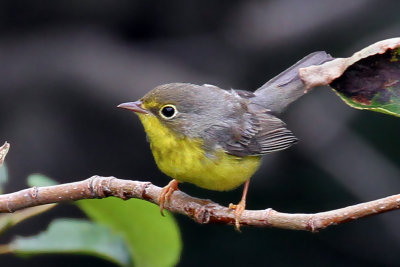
(208, 136)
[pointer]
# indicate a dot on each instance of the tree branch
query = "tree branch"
(201, 210)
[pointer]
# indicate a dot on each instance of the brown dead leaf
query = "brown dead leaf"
(324, 74)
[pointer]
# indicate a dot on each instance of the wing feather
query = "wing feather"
(249, 131)
(260, 134)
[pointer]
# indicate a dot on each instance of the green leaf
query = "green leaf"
(37, 179)
(8, 220)
(73, 236)
(153, 240)
(3, 177)
(372, 83)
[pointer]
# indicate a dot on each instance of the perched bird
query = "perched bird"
(215, 138)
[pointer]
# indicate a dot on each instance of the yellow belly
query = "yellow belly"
(186, 161)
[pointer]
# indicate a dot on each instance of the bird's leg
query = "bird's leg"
(166, 193)
(240, 207)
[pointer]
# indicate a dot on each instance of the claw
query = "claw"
(241, 206)
(166, 193)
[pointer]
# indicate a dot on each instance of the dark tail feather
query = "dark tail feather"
(285, 88)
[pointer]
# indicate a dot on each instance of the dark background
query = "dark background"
(65, 65)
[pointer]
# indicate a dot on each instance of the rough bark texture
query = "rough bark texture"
(201, 210)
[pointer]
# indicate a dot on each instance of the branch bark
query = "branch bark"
(201, 210)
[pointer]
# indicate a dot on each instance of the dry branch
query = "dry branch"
(3, 152)
(201, 210)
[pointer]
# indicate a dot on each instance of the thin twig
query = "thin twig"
(201, 210)
(3, 152)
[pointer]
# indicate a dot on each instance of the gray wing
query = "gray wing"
(256, 132)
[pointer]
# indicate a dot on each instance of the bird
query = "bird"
(212, 137)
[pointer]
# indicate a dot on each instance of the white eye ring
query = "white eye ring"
(168, 112)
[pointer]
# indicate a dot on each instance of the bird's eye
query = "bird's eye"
(168, 112)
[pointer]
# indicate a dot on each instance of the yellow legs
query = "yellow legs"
(239, 208)
(172, 186)
(166, 193)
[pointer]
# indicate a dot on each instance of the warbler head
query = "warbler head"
(218, 118)
(186, 109)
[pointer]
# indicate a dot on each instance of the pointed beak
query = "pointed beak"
(134, 106)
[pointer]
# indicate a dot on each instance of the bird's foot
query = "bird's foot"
(239, 208)
(166, 193)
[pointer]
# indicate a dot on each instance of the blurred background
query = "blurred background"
(65, 66)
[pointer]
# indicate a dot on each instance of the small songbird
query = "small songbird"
(210, 137)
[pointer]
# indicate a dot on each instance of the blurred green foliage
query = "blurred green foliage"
(37, 179)
(76, 237)
(124, 232)
(3, 177)
(153, 240)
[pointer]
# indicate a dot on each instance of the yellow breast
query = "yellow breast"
(186, 161)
